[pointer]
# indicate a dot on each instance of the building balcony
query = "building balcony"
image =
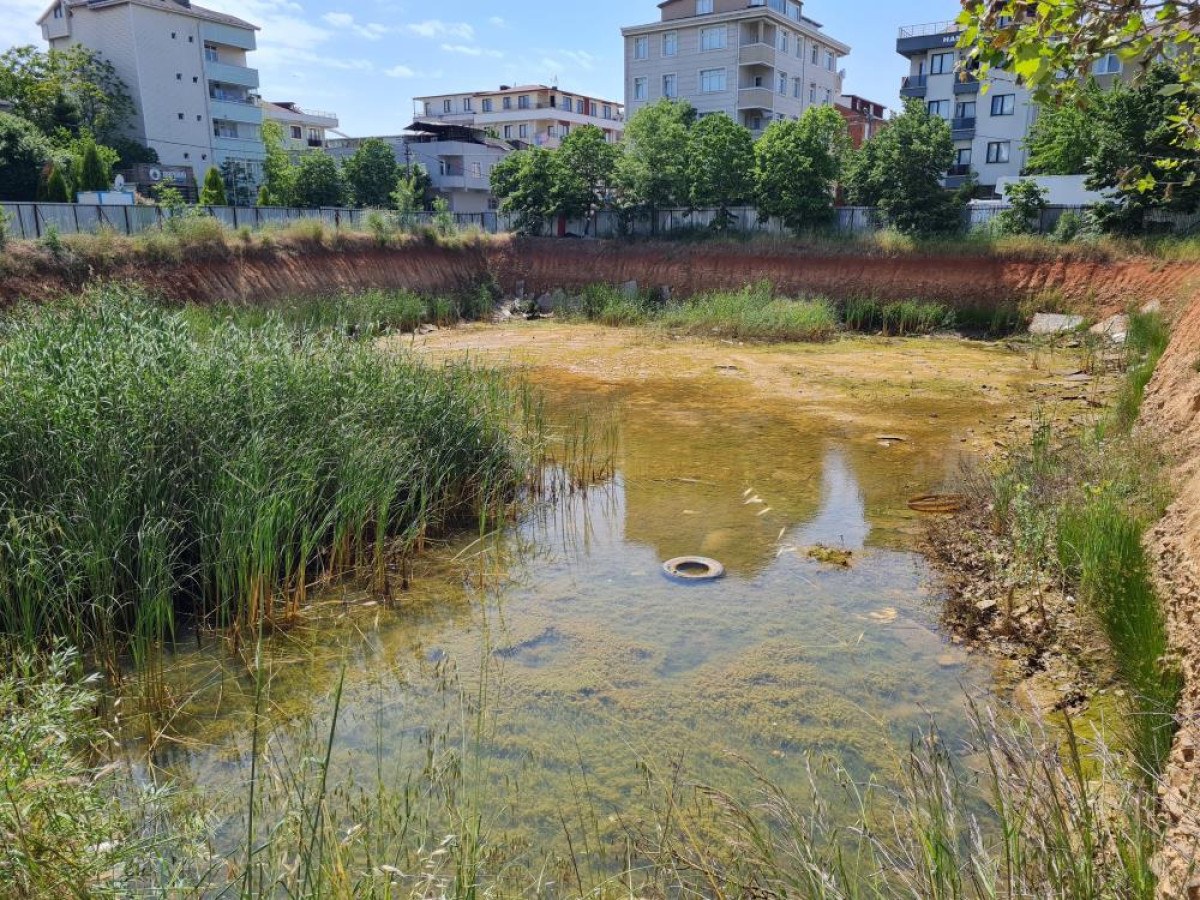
(963, 128)
(757, 55)
(756, 98)
(244, 112)
(959, 171)
(914, 86)
(244, 147)
(969, 86)
(229, 35)
(461, 183)
(915, 40)
(227, 73)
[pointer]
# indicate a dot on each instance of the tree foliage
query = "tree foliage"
(66, 91)
(24, 151)
(720, 165)
(371, 174)
(94, 173)
(797, 165)
(652, 170)
(900, 171)
(1065, 133)
(318, 181)
(1027, 202)
(584, 174)
(213, 192)
(524, 183)
(278, 171)
(413, 187)
(57, 190)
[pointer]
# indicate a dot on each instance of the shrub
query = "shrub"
(1068, 227)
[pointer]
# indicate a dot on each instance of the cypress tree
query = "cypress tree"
(213, 193)
(57, 190)
(93, 173)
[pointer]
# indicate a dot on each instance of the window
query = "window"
(522, 131)
(608, 112)
(962, 156)
(447, 106)
(58, 14)
(796, 88)
(428, 108)
(467, 104)
(1109, 64)
(1004, 104)
(639, 88)
(179, 76)
(314, 134)
(551, 131)
(781, 41)
(523, 102)
(830, 60)
(941, 64)
(828, 97)
(476, 170)
(816, 54)
(568, 106)
(670, 43)
(487, 105)
(669, 87)
(297, 132)
(939, 108)
(812, 93)
(704, 7)
(712, 81)
(965, 110)
(999, 151)
(508, 102)
(225, 129)
(181, 117)
(783, 83)
(641, 47)
(566, 129)
(799, 47)
(508, 132)
(210, 53)
(712, 38)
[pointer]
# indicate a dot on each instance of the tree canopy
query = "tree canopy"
(371, 174)
(586, 167)
(318, 181)
(720, 165)
(24, 152)
(524, 183)
(797, 166)
(66, 91)
(653, 168)
(213, 192)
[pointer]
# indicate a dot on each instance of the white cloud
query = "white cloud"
(400, 72)
(372, 31)
(497, 22)
(436, 28)
(471, 51)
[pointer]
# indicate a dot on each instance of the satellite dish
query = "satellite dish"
(119, 183)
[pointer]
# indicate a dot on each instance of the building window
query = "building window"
(783, 76)
(566, 129)
(181, 117)
(568, 106)
(965, 110)
(830, 61)
(522, 131)
(508, 132)
(641, 47)
(712, 81)
(941, 64)
(297, 133)
(781, 41)
(179, 76)
(523, 102)
(508, 102)
(999, 151)
(639, 89)
(816, 54)
(796, 88)
(210, 53)
(467, 104)
(314, 135)
(828, 97)
(669, 87)
(428, 108)
(704, 7)
(476, 170)
(447, 106)
(225, 129)
(608, 112)
(939, 108)
(1004, 104)
(712, 38)
(487, 105)
(812, 93)
(962, 156)
(670, 43)
(1109, 64)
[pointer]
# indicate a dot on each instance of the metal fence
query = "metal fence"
(32, 220)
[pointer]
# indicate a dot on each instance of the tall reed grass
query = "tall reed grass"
(149, 470)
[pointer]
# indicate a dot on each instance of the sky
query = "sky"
(365, 60)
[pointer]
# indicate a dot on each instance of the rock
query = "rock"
(1152, 307)
(950, 661)
(986, 605)
(630, 289)
(545, 303)
(427, 329)
(519, 292)
(1115, 328)
(1054, 323)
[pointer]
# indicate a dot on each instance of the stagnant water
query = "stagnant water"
(571, 672)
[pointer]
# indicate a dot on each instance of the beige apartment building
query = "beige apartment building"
(754, 60)
(303, 129)
(536, 115)
(187, 70)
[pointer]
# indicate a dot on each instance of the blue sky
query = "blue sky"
(366, 60)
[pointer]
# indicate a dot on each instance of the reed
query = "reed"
(149, 469)
(753, 313)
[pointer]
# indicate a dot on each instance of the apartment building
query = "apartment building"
(865, 118)
(187, 70)
(535, 115)
(458, 158)
(989, 127)
(754, 60)
(303, 129)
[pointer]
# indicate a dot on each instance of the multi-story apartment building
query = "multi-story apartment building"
(303, 129)
(755, 60)
(458, 158)
(865, 118)
(187, 71)
(533, 114)
(989, 127)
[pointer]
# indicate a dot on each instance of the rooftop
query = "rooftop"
(521, 89)
(181, 6)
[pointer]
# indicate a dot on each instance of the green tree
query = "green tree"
(371, 174)
(586, 165)
(93, 173)
(413, 187)
(213, 192)
(239, 179)
(279, 172)
(797, 166)
(524, 183)
(66, 91)
(652, 171)
(24, 151)
(900, 172)
(720, 165)
(318, 181)
(1027, 202)
(1065, 133)
(1042, 42)
(57, 190)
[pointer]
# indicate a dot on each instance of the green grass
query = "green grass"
(753, 313)
(903, 318)
(151, 468)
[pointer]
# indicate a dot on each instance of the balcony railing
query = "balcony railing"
(931, 28)
(914, 85)
(958, 171)
(968, 85)
(962, 123)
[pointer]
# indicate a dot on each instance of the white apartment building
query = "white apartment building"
(187, 71)
(458, 158)
(754, 60)
(536, 115)
(989, 128)
(303, 129)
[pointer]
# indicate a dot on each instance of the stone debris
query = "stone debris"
(1054, 323)
(1115, 328)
